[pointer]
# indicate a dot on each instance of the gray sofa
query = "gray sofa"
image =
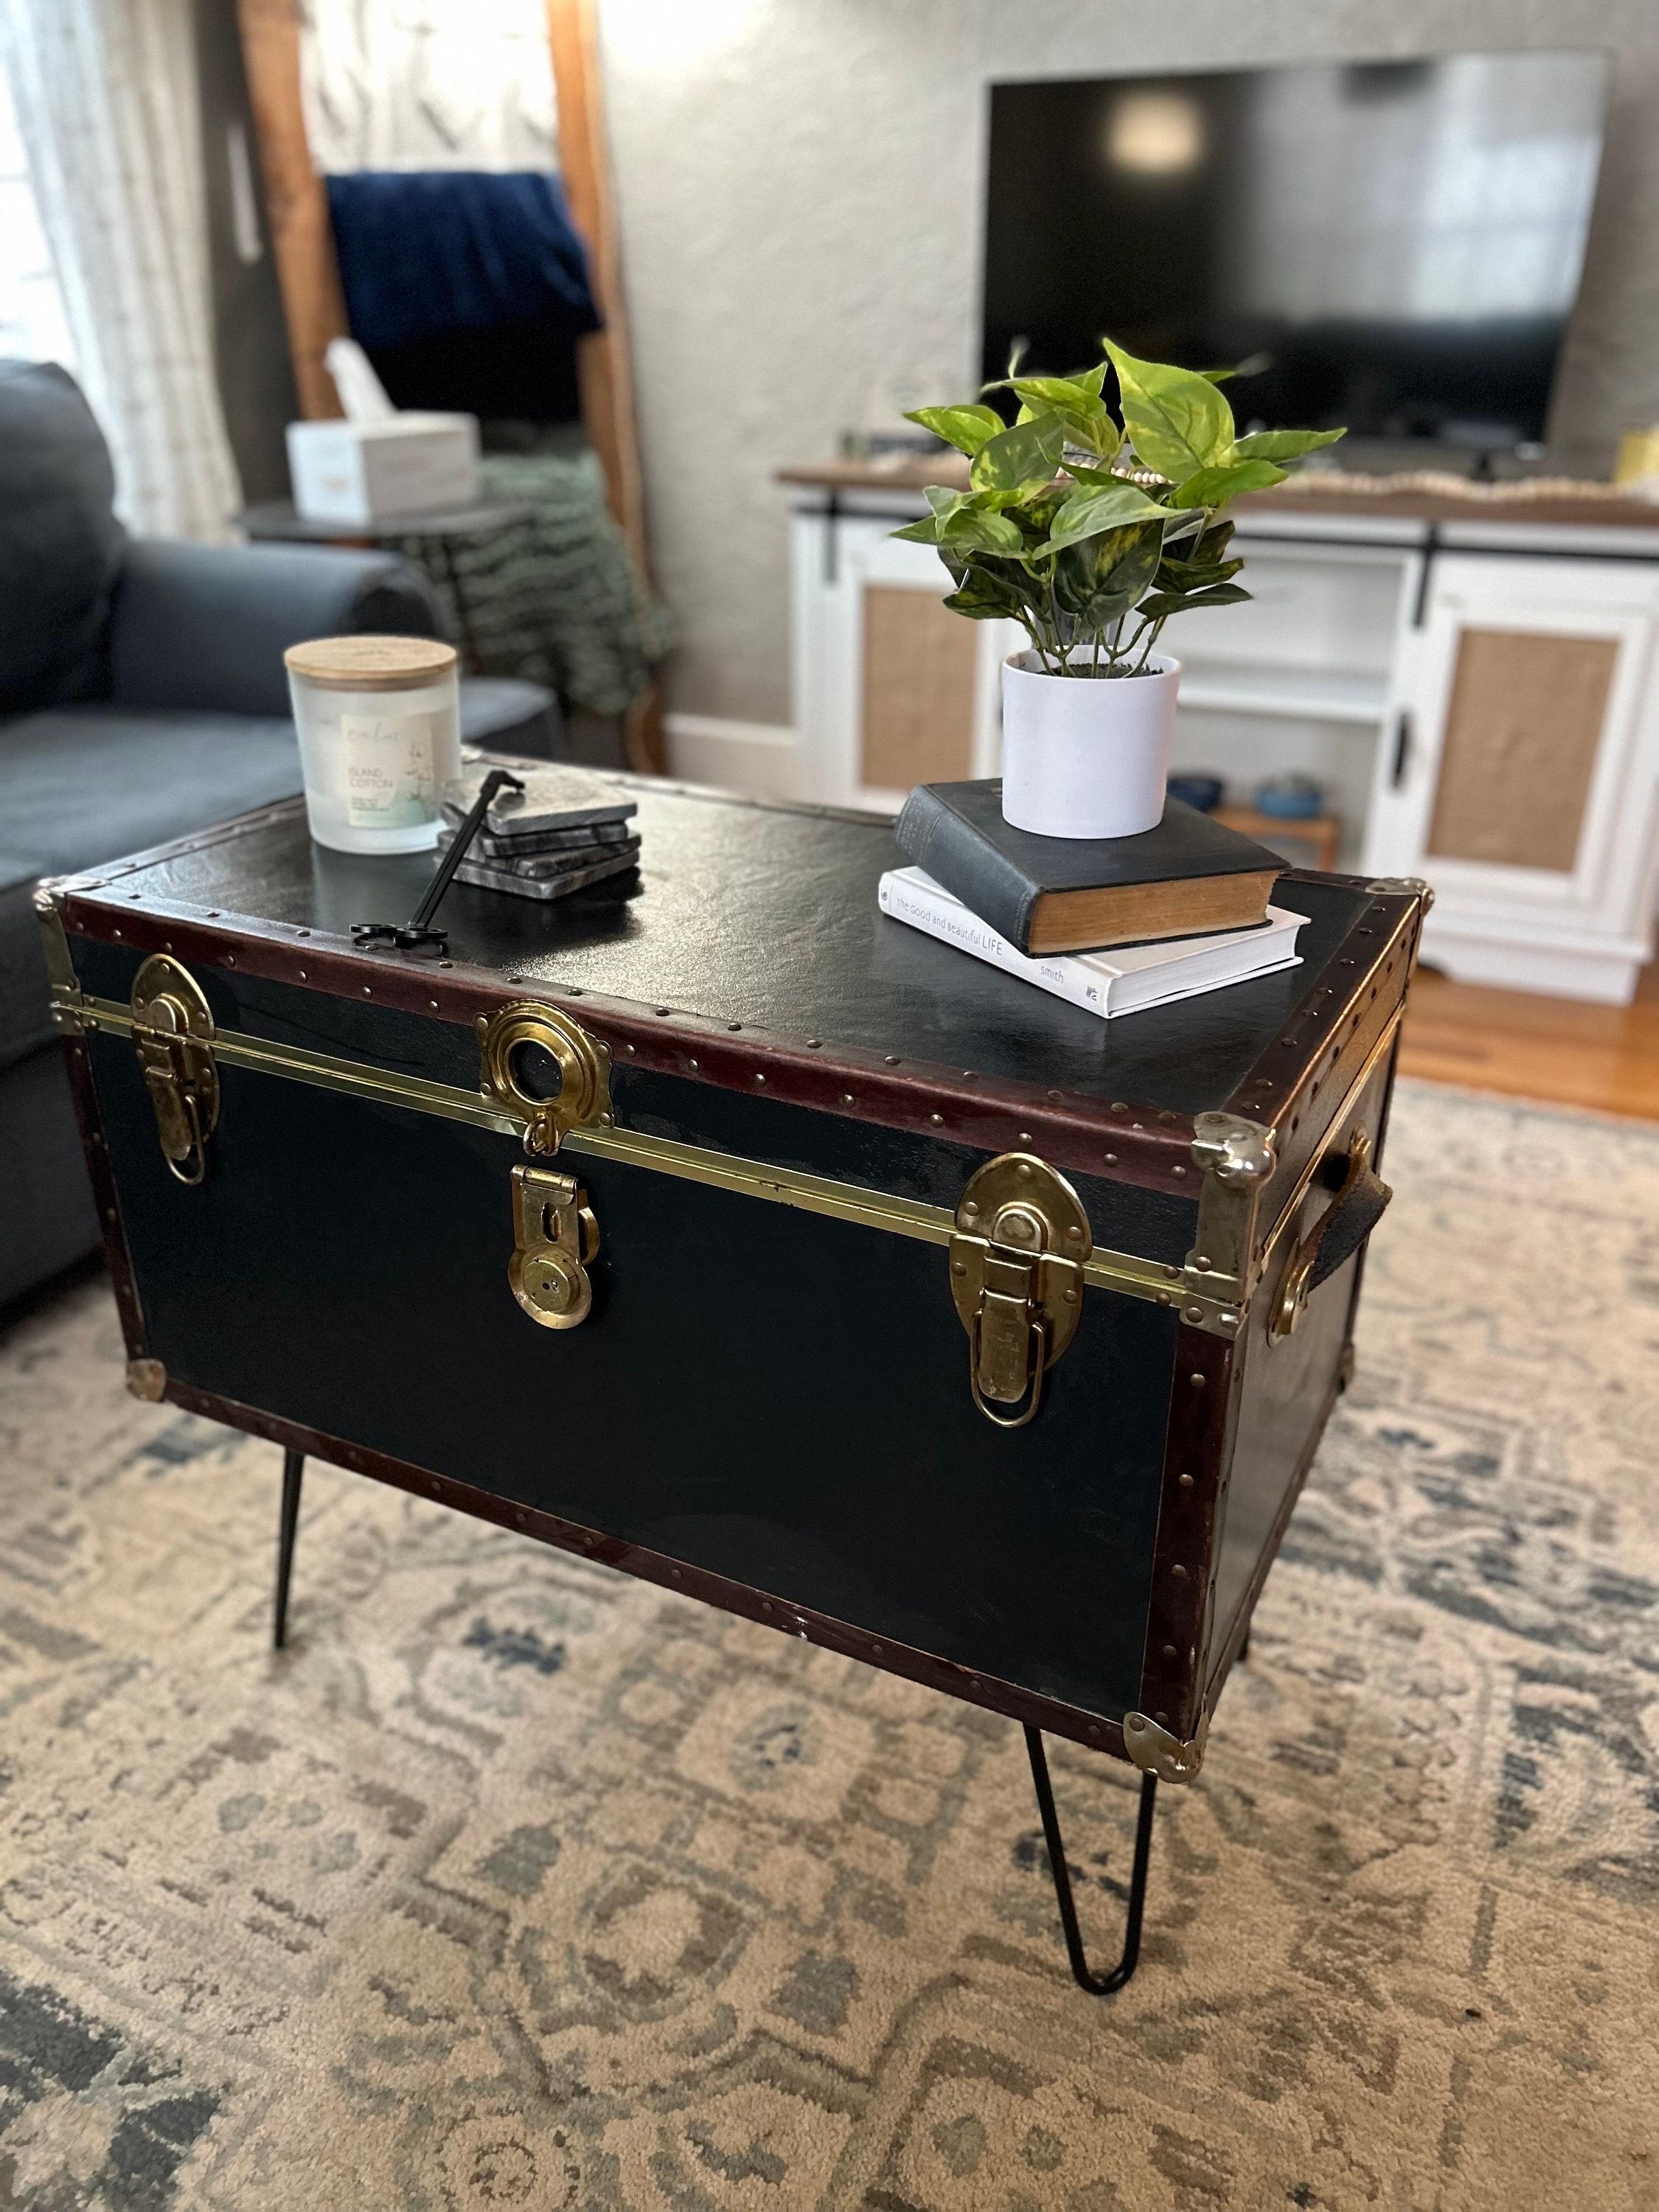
(141, 696)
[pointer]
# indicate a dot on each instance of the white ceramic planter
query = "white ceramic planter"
(1086, 757)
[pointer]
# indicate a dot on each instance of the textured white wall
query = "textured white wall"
(799, 182)
(428, 84)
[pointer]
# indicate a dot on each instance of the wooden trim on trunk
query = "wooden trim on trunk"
(1151, 1147)
(296, 200)
(1202, 1388)
(117, 1259)
(1095, 1731)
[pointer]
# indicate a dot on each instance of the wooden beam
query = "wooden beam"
(605, 363)
(296, 200)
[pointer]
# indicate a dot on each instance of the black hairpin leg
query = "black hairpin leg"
(294, 1467)
(1244, 1648)
(1097, 1985)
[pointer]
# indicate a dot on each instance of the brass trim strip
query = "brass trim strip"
(1123, 1272)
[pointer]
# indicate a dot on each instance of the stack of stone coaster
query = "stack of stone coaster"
(564, 831)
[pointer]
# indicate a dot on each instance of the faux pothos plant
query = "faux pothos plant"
(1092, 532)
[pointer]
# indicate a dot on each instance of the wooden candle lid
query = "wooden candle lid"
(371, 663)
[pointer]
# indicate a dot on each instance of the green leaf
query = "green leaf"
(1100, 578)
(1213, 542)
(1159, 606)
(970, 529)
(1075, 399)
(922, 532)
(966, 427)
(1195, 576)
(984, 596)
(1023, 459)
(1285, 445)
(1101, 506)
(1179, 421)
(1214, 487)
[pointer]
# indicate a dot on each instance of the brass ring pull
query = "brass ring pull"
(1335, 1238)
(180, 1169)
(1038, 1364)
(584, 1065)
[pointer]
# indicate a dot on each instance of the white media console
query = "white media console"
(1474, 679)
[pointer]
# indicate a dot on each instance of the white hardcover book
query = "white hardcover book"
(1124, 980)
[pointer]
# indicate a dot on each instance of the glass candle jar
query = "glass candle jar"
(378, 723)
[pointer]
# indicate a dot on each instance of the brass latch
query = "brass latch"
(555, 1235)
(172, 1035)
(1017, 1277)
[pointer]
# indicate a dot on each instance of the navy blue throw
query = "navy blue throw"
(427, 254)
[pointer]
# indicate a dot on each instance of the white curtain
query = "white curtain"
(105, 94)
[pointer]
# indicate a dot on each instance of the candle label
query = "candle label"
(390, 781)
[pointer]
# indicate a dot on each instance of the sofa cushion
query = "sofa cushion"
(60, 545)
(82, 785)
(511, 716)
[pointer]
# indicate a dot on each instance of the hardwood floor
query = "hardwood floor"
(1558, 1051)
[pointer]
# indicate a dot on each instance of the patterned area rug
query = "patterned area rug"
(514, 1884)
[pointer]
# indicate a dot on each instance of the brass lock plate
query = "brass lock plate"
(1017, 1262)
(555, 1239)
(583, 1095)
(172, 1035)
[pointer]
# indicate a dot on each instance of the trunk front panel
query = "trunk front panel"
(774, 1397)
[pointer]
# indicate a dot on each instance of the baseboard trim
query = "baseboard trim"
(1606, 973)
(763, 758)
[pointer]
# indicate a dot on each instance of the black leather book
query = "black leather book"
(1189, 876)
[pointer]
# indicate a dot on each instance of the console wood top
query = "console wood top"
(1595, 506)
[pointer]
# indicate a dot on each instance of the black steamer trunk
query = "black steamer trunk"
(742, 1238)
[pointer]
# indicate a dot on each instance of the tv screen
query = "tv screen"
(1391, 246)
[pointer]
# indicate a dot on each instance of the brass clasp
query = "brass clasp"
(1016, 1278)
(555, 1235)
(172, 1035)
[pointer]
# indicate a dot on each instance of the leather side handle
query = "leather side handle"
(1346, 1222)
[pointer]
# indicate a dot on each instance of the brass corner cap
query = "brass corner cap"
(1155, 1750)
(147, 1379)
(1417, 887)
(1232, 1149)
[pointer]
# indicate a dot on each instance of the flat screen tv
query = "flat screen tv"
(1391, 246)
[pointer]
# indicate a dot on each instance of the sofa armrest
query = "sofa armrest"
(205, 627)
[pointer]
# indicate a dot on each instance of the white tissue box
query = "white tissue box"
(372, 472)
